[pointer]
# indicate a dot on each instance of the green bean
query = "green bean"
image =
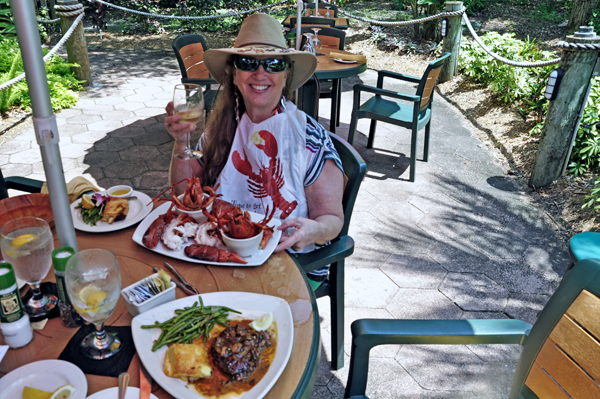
(190, 323)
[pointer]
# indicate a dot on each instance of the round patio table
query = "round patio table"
(278, 276)
(329, 69)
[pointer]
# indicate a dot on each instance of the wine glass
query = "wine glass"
(188, 102)
(308, 44)
(327, 13)
(93, 284)
(316, 41)
(306, 10)
(27, 244)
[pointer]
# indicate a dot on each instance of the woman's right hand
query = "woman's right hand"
(174, 127)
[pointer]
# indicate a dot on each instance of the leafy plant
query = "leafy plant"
(513, 85)
(593, 198)
(62, 83)
(586, 150)
(7, 26)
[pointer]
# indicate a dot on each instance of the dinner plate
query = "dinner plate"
(138, 210)
(111, 393)
(250, 305)
(47, 375)
(345, 61)
(255, 260)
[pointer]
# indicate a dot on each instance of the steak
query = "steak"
(236, 351)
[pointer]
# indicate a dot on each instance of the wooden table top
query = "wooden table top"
(328, 68)
(340, 23)
(279, 276)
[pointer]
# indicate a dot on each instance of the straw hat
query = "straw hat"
(260, 35)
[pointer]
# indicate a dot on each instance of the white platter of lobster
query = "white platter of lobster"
(192, 250)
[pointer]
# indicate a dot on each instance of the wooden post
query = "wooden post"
(76, 45)
(452, 42)
(577, 65)
(51, 4)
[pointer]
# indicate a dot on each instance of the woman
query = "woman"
(260, 149)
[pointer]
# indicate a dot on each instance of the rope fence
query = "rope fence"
(58, 46)
(77, 10)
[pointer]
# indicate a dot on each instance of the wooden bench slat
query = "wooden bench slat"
(586, 311)
(542, 385)
(191, 49)
(566, 373)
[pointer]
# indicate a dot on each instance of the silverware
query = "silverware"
(178, 284)
(123, 383)
(145, 382)
(183, 281)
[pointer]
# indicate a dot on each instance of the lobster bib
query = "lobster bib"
(267, 165)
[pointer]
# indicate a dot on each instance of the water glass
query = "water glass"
(93, 281)
(27, 244)
(188, 101)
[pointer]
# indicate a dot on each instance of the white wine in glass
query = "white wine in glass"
(188, 101)
(27, 244)
(93, 283)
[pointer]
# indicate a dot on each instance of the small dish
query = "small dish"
(119, 191)
(245, 246)
(197, 215)
(158, 299)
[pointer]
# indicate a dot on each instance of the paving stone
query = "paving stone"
(526, 307)
(125, 169)
(111, 100)
(17, 169)
(101, 158)
(117, 116)
(148, 90)
(129, 106)
(68, 113)
(413, 271)
(140, 152)
(27, 156)
(155, 139)
(441, 367)
(358, 281)
(148, 111)
(3, 159)
(127, 131)
(113, 144)
(97, 109)
(88, 137)
(84, 118)
(105, 125)
(14, 146)
(157, 103)
(74, 150)
(422, 304)
(474, 292)
(71, 129)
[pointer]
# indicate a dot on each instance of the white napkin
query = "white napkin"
(3, 350)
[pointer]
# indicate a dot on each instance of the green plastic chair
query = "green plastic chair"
(561, 351)
(413, 117)
(189, 51)
(339, 249)
(18, 183)
(584, 246)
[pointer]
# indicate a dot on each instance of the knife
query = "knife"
(145, 382)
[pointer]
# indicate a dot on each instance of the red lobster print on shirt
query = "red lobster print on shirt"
(269, 179)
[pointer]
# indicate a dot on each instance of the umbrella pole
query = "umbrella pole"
(300, 7)
(44, 121)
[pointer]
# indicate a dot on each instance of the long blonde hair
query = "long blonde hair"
(222, 124)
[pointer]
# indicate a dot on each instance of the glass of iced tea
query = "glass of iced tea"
(188, 101)
(27, 244)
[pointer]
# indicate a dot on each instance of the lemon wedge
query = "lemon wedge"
(86, 201)
(33, 393)
(92, 296)
(22, 240)
(263, 322)
(63, 392)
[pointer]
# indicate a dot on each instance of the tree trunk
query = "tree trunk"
(430, 27)
(581, 14)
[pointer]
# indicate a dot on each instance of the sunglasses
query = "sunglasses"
(250, 64)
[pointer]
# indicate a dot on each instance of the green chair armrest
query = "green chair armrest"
(367, 333)
(337, 250)
(24, 184)
(396, 75)
(480, 331)
(382, 92)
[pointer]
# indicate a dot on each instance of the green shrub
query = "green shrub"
(7, 26)
(61, 81)
(513, 85)
(586, 150)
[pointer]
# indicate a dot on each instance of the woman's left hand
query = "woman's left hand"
(306, 232)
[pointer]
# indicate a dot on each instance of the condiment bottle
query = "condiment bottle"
(68, 315)
(292, 39)
(14, 322)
